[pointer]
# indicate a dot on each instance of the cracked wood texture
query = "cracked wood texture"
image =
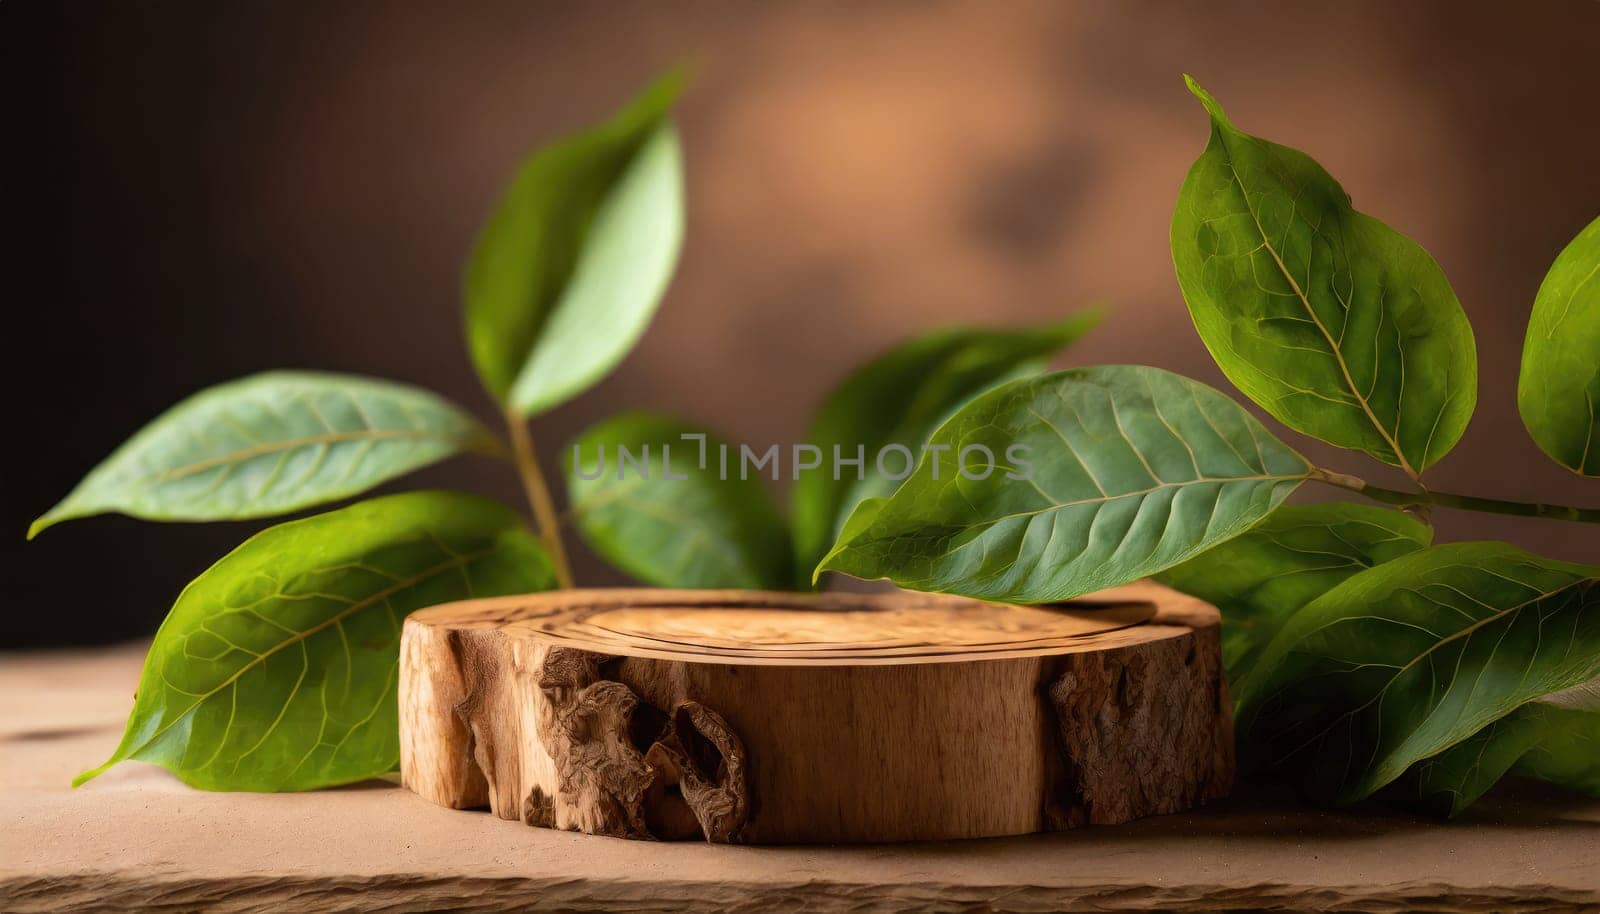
(770, 718)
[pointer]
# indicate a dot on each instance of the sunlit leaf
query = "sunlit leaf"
(1559, 389)
(570, 268)
(900, 397)
(272, 443)
(276, 668)
(1122, 472)
(1333, 322)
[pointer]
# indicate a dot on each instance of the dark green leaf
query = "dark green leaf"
(1335, 323)
(1559, 390)
(276, 668)
(1555, 739)
(269, 444)
(900, 398)
(1133, 470)
(568, 271)
(694, 529)
(1261, 577)
(1410, 657)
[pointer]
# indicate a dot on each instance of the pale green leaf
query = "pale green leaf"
(1333, 322)
(570, 268)
(675, 511)
(900, 397)
(272, 443)
(276, 668)
(1412, 656)
(1555, 738)
(1261, 577)
(1123, 471)
(1559, 389)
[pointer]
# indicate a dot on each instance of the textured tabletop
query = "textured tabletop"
(137, 839)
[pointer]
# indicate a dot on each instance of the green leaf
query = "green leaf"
(1559, 389)
(1336, 324)
(666, 515)
(269, 444)
(900, 398)
(866, 511)
(1555, 738)
(1261, 577)
(568, 271)
(276, 669)
(1123, 471)
(1410, 657)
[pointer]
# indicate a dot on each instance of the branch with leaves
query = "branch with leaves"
(276, 669)
(1361, 655)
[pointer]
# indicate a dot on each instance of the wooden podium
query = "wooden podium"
(779, 718)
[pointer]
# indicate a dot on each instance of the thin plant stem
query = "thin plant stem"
(1464, 502)
(538, 492)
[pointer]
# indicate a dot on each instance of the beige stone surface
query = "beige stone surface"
(137, 839)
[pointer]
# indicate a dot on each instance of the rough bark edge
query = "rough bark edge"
(702, 756)
(1173, 693)
(623, 767)
(1081, 789)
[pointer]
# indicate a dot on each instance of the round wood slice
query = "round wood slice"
(803, 718)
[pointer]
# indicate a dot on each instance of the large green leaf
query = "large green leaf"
(1133, 470)
(671, 515)
(900, 398)
(1335, 323)
(276, 669)
(1555, 738)
(568, 271)
(1559, 389)
(1261, 577)
(1410, 657)
(269, 444)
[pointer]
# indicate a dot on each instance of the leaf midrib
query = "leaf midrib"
(1202, 480)
(289, 444)
(1338, 355)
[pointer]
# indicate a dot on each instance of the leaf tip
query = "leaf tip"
(825, 563)
(677, 77)
(657, 99)
(40, 523)
(1212, 106)
(1083, 320)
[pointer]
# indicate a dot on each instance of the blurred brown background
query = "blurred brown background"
(195, 191)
